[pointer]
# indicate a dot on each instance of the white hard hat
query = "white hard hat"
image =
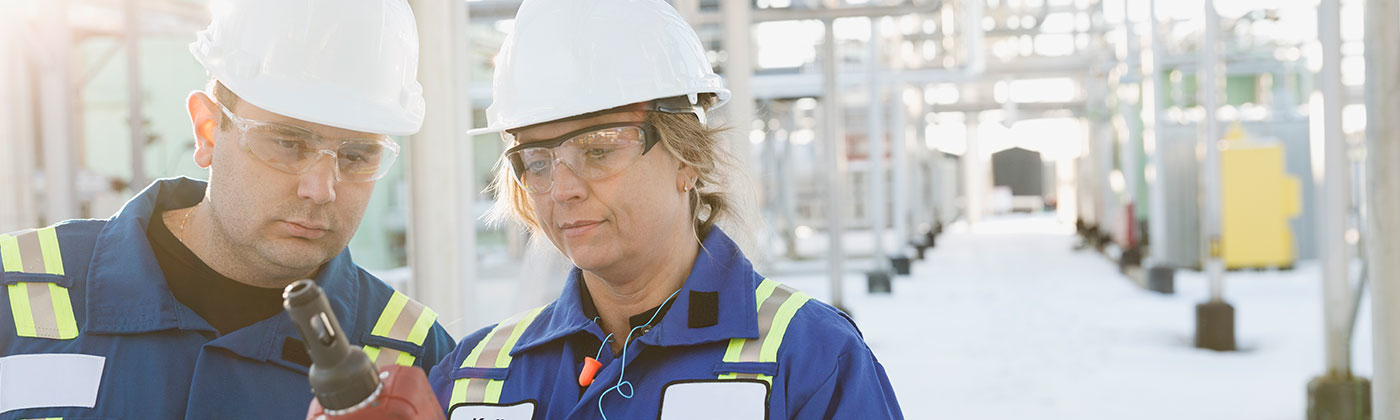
(351, 64)
(571, 57)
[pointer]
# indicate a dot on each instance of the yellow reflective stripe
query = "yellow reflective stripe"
(405, 359)
(480, 345)
(493, 391)
(736, 345)
(503, 360)
(770, 338)
(769, 352)
(389, 315)
(19, 307)
(765, 290)
(48, 242)
(495, 348)
(421, 326)
(372, 352)
(63, 311)
(9, 254)
(459, 391)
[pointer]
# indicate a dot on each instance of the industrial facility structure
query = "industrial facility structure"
(1186, 144)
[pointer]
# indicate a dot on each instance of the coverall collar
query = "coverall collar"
(719, 268)
(127, 292)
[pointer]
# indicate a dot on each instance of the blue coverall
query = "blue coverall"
(93, 287)
(819, 367)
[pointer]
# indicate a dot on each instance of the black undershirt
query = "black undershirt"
(223, 302)
(587, 343)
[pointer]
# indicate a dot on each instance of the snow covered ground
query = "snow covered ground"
(1009, 321)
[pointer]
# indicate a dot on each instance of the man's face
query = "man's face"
(289, 223)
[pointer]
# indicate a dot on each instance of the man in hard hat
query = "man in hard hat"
(172, 308)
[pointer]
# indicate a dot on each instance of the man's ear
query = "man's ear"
(205, 118)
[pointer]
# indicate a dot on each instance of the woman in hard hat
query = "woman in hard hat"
(602, 105)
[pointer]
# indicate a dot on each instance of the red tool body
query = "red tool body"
(346, 384)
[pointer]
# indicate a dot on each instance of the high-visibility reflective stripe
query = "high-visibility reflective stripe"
(9, 253)
(48, 243)
(63, 312)
(402, 319)
(39, 309)
(503, 359)
(387, 356)
(19, 307)
(769, 352)
(419, 332)
(493, 351)
(389, 314)
(777, 304)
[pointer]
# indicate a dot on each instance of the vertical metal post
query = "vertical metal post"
(1334, 202)
(1156, 189)
(441, 233)
(973, 171)
(1128, 153)
(899, 154)
(835, 162)
(1209, 87)
(136, 119)
(1215, 318)
(16, 127)
(1383, 192)
(878, 206)
(56, 97)
(787, 189)
(738, 72)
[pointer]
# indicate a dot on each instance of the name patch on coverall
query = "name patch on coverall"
(524, 410)
(49, 380)
(720, 399)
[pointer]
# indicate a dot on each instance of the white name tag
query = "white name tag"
(49, 380)
(524, 410)
(708, 400)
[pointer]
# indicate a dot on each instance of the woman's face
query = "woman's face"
(616, 223)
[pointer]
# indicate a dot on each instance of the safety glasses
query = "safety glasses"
(294, 150)
(591, 153)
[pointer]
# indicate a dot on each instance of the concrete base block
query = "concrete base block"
(878, 282)
(900, 264)
(1162, 280)
(1335, 398)
(1215, 326)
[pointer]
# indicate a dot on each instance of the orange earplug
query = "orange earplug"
(590, 368)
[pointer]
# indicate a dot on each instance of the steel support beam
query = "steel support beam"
(442, 235)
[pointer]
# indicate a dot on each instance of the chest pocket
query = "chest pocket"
(479, 379)
(36, 285)
(403, 320)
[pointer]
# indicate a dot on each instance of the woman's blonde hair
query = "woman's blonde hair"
(718, 196)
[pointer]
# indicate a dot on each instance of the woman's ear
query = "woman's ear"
(204, 117)
(686, 178)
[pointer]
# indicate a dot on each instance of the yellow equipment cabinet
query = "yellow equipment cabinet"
(1258, 199)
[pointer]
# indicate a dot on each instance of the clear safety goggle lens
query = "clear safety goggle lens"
(592, 153)
(295, 150)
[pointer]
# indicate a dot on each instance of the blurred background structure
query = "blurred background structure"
(1033, 208)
